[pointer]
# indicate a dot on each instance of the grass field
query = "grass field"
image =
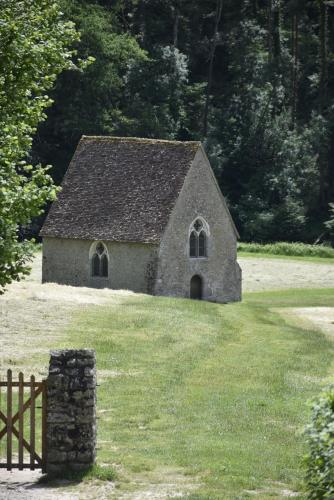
(202, 399)
(214, 393)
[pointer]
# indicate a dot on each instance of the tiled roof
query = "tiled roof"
(120, 189)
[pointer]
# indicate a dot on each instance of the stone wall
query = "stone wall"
(66, 261)
(71, 411)
(220, 272)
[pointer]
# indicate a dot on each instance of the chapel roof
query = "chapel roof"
(120, 189)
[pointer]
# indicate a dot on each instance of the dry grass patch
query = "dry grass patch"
(310, 317)
(261, 274)
(34, 318)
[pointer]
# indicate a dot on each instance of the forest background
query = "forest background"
(252, 79)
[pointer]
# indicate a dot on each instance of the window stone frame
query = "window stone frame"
(92, 253)
(206, 229)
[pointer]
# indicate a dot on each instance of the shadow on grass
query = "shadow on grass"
(75, 477)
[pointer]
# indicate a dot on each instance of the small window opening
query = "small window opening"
(202, 244)
(100, 261)
(104, 266)
(198, 240)
(193, 244)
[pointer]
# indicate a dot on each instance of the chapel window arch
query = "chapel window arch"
(198, 238)
(99, 260)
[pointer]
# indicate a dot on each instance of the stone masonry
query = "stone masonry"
(71, 411)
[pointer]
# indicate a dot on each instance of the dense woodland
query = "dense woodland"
(252, 79)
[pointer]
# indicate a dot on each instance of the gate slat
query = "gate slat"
(9, 419)
(21, 395)
(0, 412)
(16, 384)
(15, 465)
(32, 422)
(44, 423)
(27, 446)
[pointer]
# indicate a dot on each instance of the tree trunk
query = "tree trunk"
(323, 70)
(255, 8)
(274, 48)
(176, 13)
(323, 55)
(270, 31)
(276, 31)
(330, 173)
(141, 22)
(295, 62)
(219, 9)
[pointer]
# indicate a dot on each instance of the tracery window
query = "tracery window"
(99, 261)
(198, 239)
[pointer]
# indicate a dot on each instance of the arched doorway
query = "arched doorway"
(196, 285)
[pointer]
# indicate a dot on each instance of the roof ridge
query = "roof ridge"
(113, 138)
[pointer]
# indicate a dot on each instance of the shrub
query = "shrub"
(284, 248)
(320, 440)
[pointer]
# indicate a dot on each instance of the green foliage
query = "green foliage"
(156, 94)
(269, 167)
(330, 223)
(292, 249)
(320, 440)
(34, 41)
(95, 101)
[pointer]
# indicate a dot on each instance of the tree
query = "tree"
(34, 49)
(155, 94)
(267, 166)
(92, 102)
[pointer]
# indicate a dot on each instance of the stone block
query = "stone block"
(85, 456)
(57, 456)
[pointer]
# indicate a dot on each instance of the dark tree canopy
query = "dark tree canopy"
(253, 79)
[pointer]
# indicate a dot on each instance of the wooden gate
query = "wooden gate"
(18, 414)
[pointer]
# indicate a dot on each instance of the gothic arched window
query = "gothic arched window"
(99, 261)
(198, 239)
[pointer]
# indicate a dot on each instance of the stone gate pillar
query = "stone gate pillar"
(71, 411)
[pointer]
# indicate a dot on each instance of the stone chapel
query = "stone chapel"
(144, 215)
